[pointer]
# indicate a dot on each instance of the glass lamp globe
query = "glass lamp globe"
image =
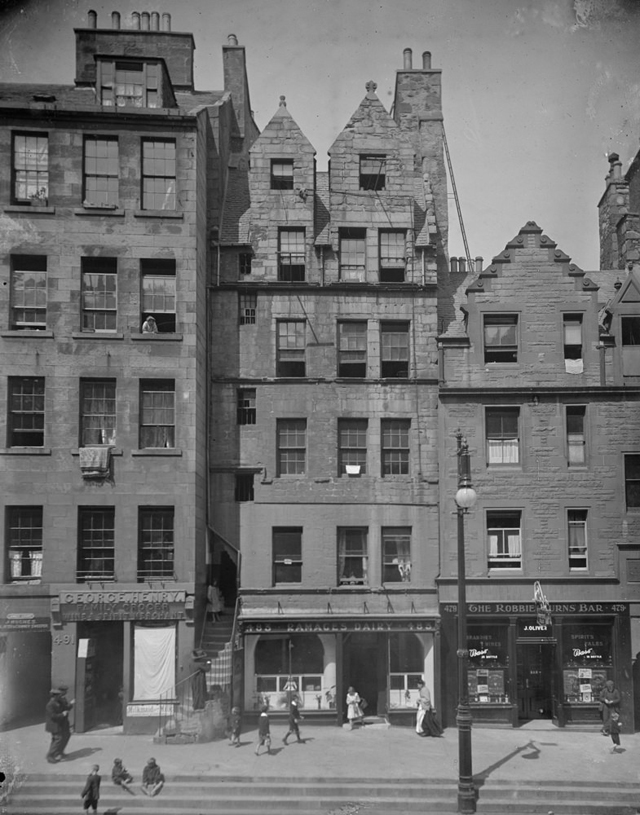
(466, 497)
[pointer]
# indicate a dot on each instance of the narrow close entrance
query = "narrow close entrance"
(535, 680)
(365, 667)
(99, 675)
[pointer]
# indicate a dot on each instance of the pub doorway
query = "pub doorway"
(536, 676)
(365, 667)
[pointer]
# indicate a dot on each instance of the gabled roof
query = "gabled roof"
(281, 121)
(370, 110)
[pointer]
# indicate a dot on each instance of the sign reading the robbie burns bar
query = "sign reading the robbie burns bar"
(530, 608)
(107, 604)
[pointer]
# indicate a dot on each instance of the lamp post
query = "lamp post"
(465, 498)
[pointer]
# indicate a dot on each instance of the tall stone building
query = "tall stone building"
(111, 187)
(325, 435)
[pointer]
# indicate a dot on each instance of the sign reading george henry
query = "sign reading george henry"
(77, 606)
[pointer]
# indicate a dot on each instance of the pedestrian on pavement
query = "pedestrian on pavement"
(54, 718)
(355, 713)
(614, 729)
(235, 726)
(610, 701)
(424, 703)
(91, 792)
(199, 692)
(66, 706)
(121, 776)
(264, 730)
(294, 718)
(152, 778)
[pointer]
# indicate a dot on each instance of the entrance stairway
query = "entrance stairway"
(50, 794)
(216, 642)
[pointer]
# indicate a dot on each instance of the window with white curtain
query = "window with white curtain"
(154, 662)
(503, 442)
(352, 556)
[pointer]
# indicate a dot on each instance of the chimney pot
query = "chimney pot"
(166, 22)
(408, 59)
(155, 21)
(478, 264)
(135, 19)
(426, 60)
(462, 265)
(115, 19)
(145, 19)
(454, 265)
(92, 19)
(232, 39)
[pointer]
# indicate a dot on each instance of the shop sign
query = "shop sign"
(76, 606)
(24, 622)
(335, 627)
(530, 608)
(146, 709)
(531, 629)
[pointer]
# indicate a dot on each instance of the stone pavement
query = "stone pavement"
(535, 752)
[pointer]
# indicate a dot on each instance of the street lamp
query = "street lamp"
(465, 498)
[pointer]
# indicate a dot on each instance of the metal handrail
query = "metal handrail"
(167, 705)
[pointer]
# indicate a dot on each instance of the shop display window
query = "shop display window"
(406, 666)
(287, 666)
(488, 664)
(275, 690)
(586, 661)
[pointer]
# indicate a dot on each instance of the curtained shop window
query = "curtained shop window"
(406, 666)
(154, 661)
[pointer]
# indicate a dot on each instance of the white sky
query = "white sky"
(535, 93)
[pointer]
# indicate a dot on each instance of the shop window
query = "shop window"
(292, 446)
(158, 174)
(30, 168)
(394, 350)
(503, 437)
(488, 664)
(99, 294)
(24, 544)
(373, 169)
(396, 554)
(96, 544)
(572, 331)
(281, 174)
(247, 304)
(26, 411)
(244, 487)
(244, 263)
(630, 330)
(395, 446)
(154, 660)
(28, 292)
(157, 413)
(291, 255)
(504, 539)
(352, 446)
(586, 661)
(352, 557)
(577, 537)
(632, 480)
(576, 437)
(352, 349)
(286, 666)
(97, 412)
(406, 667)
(246, 406)
(287, 555)
(158, 278)
(392, 253)
(155, 543)
(352, 242)
(101, 171)
(501, 338)
(126, 84)
(291, 348)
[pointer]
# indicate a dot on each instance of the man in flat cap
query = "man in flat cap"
(54, 717)
(66, 727)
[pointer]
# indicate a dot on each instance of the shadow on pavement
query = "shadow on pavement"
(84, 752)
(480, 778)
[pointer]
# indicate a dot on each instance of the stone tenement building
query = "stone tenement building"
(110, 190)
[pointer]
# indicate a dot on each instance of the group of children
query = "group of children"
(152, 782)
(264, 727)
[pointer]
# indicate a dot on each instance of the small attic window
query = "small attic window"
(373, 172)
(129, 84)
(281, 174)
(631, 330)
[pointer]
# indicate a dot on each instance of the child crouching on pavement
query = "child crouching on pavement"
(152, 778)
(121, 776)
(235, 727)
(264, 731)
(91, 792)
(614, 729)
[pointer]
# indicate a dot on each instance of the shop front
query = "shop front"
(520, 669)
(319, 660)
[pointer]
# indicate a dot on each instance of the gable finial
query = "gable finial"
(371, 86)
(283, 101)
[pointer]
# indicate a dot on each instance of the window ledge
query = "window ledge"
(108, 211)
(115, 451)
(27, 209)
(26, 334)
(158, 213)
(161, 337)
(25, 451)
(97, 335)
(157, 451)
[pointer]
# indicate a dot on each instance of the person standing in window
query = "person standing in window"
(149, 326)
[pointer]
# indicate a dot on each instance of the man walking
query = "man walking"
(54, 717)
(66, 706)
(294, 718)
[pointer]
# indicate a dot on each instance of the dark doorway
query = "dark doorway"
(99, 686)
(228, 579)
(535, 681)
(364, 667)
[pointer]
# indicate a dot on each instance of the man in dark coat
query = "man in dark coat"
(66, 706)
(91, 793)
(54, 717)
(294, 718)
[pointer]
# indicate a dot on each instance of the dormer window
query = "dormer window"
(373, 172)
(129, 84)
(281, 174)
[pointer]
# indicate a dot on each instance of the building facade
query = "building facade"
(110, 189)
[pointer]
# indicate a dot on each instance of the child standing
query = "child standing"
(294, 718)
(264, 730)
(614, 729)
(91, 792)
(235, 725)
(120, 775)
